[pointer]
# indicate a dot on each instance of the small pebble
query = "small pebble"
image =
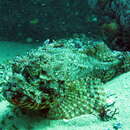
(117, 126)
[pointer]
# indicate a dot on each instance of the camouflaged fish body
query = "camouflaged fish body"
(61, 78)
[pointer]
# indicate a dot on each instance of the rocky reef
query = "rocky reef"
(33, 21)
(64, 78)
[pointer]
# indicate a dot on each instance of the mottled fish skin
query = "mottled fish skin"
(64, 80)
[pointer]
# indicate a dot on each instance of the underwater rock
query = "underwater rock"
(118, 11)
(64, 79)
(34, 21)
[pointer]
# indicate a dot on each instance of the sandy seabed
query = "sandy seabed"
(120, 86)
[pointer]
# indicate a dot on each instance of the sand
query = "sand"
(120, 86)
(10, 49)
